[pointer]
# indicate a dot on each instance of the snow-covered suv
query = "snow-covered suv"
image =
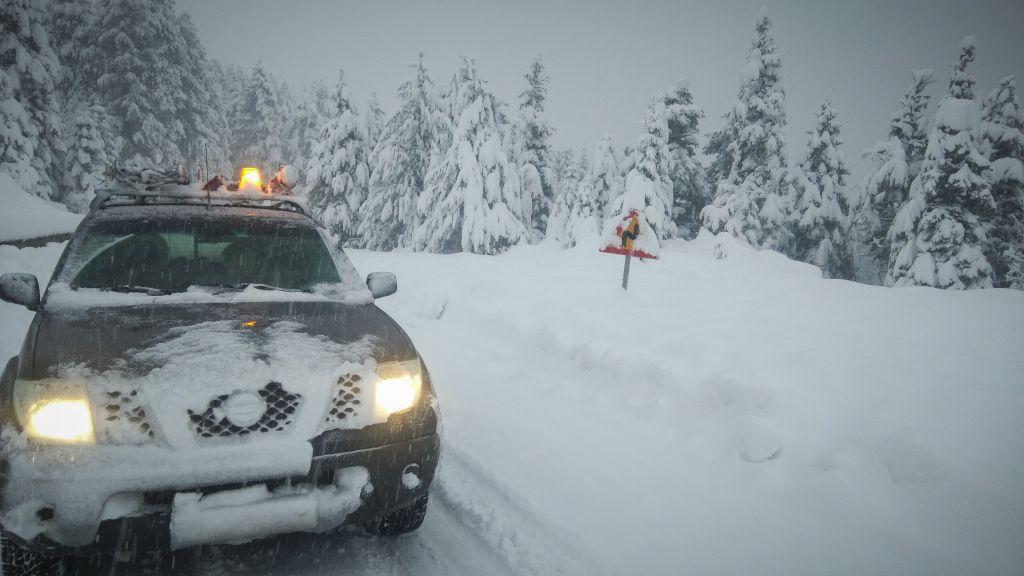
(207, 368)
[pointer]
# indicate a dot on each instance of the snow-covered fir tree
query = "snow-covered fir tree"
(68, 27)
(754, 200)
(1001, 141)
(127, 55)
(400, 163)
(648, 187)
(606, 175)
(584, 220)
(897, 161)
(946, 219)
(31, 148)
(821, 211)
(337, 173)
(312, 109)
(90, 138)
(689, 182)
(533, 148)
(721, 149)
(374, 118)
(472, 200)
(258, 124)
(202, 117)
(572, 174)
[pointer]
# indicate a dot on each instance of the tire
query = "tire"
(400, 521)
(17, 561)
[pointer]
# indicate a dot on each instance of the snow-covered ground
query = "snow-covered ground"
(723, 416)
(25, 216)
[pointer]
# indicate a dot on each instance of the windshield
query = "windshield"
(172, 254)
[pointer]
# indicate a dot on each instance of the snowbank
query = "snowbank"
(732, 413)
(25, 216)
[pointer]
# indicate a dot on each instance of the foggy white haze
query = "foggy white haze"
(607, 58)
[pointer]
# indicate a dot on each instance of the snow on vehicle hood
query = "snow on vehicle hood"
(137, 339)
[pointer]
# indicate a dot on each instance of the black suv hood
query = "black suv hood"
(98, 337)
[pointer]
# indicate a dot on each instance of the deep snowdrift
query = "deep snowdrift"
(25, 216)
(733, 416)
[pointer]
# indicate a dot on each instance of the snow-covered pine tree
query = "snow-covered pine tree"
(472, 200)
(648, 188)
(90, 138)
(533, 148)
(259, 124)
(950, 201)
(721, 148)
(898, 161)
(1001, 141)
(68, 26)
(689, 182)
(337, 172)
(754, 201)
(606, 176)
(400, 163)
(312, 109)
(821, 210)
(128, 54)
(585, 217)
(572, 174)
(31, 149)
(374, 122)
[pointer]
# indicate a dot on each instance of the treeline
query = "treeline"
(453, 168)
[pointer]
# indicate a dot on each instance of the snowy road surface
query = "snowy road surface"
(734, 416)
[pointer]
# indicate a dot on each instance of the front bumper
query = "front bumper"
(77, 499)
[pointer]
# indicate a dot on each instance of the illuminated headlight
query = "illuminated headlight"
(55, 411)
(398, 386)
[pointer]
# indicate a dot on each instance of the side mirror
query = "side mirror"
(20, 289)
(382, 284)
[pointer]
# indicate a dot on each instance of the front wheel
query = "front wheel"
(17, 561)
(400, 521)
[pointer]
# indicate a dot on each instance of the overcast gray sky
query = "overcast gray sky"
(606, 58)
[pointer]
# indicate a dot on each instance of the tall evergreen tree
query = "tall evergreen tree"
(311, 111)
(945, 220)
(606, 175)
(472, 200)
(68, 27)
(202, 117)
(1001, 141)
(754, 201)
(534, 150)
(337, 173)
(721, 149)
(374, 121)
(822, 207)
(898, 161)
(127, 53)
(259, 123)
(689, 182)
(573, 175)
(648, 188)
(31, 148)
(90, 138)
(400, 163)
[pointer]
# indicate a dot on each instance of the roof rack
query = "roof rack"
(185, 195)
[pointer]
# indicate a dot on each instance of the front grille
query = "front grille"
(345, 401)
(125, 419)
(278, 416)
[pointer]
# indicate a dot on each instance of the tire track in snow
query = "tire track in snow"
(492, 512)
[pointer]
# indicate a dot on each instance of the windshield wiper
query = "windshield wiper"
(258, 286)
(141, 289)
